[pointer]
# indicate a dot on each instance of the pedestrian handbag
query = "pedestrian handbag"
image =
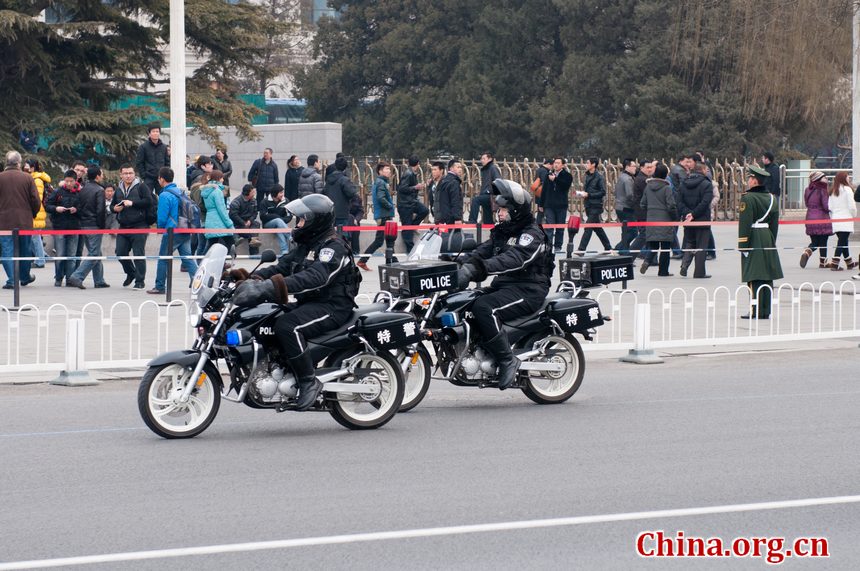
(537, 187)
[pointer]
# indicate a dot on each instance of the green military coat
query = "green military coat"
(757, 228)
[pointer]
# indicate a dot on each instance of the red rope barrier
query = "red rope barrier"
(442, 227)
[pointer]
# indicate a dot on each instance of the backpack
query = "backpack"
(152, 211)
(47, 192)
(536, 188)
(189, 212)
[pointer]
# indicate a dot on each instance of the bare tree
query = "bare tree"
(283, 44)
(787, 58)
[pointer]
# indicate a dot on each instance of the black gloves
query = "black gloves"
(465, 275)
(253, 292)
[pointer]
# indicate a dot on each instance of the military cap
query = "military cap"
(757, 171)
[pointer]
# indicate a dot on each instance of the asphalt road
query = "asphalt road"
(80, 475)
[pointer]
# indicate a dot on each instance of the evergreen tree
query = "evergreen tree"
(579, 77)
(63, 82)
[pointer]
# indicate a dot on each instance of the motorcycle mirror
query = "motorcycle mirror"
(268, 256)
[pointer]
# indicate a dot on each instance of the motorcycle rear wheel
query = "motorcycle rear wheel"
(417, 379)
(158, 392)
(357, 412)
(544, 388)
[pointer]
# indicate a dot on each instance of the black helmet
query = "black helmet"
(512, 196)
(317, 211)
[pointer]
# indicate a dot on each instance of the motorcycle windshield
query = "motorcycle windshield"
(427, 248)
(208, 276)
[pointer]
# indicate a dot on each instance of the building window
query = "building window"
(313, 10)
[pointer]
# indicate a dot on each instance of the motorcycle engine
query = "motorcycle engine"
(488, 362)
(478, 364)
(272, 383)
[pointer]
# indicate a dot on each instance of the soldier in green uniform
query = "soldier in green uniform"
(757, 228)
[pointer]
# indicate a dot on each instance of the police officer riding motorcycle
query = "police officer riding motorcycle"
(518, 256)
(321, 274)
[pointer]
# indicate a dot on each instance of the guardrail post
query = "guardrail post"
(75, 373)
(168, 288)
(642, 354)
(16, 270)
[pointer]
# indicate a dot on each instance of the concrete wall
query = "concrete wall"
(302, 139)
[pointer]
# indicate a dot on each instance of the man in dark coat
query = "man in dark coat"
(489, 173)
(639, 246)
(542, 175)
(694, 205)
(291, 179)
(595, 192)
(131, 202)
(263, 175)
(624, 209)
(19, 204)
(340, 191)
(554, 201)
(92, 215)
(243, 212)
(409, 207)
(772, 169)
(449, 204)
(151, 156)
(757, 228)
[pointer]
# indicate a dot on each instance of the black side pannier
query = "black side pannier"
(575, 315)
(389, 330)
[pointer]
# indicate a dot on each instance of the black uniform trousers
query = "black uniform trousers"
(505, 303)
(304, 321)
(761, 292)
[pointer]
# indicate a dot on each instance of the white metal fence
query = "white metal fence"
(125, 336)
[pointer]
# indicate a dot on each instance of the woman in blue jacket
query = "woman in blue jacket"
(217, 217)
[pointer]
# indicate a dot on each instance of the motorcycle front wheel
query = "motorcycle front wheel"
(365, 411)
(158, 401)
(545, 387)
(417, 377)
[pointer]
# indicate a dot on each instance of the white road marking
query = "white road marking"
(419, 533)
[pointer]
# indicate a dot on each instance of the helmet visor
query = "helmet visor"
(298, 208)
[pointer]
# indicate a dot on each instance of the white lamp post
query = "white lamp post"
(177, 90)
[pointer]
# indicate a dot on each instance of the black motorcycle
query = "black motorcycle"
(363, 384)
(552, 362)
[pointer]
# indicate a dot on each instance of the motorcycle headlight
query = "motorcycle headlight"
(194, 317)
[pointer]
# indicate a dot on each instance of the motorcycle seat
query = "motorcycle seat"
(521, 321)
(356, 313)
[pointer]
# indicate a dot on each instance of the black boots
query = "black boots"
(309, 386)
(505, 361)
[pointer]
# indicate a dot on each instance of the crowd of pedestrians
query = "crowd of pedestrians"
(148, 194)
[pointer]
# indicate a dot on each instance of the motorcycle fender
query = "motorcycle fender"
(184, 358)
(187, 359)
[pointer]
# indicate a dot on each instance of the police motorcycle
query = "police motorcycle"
(181, 391)
(552, 365)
